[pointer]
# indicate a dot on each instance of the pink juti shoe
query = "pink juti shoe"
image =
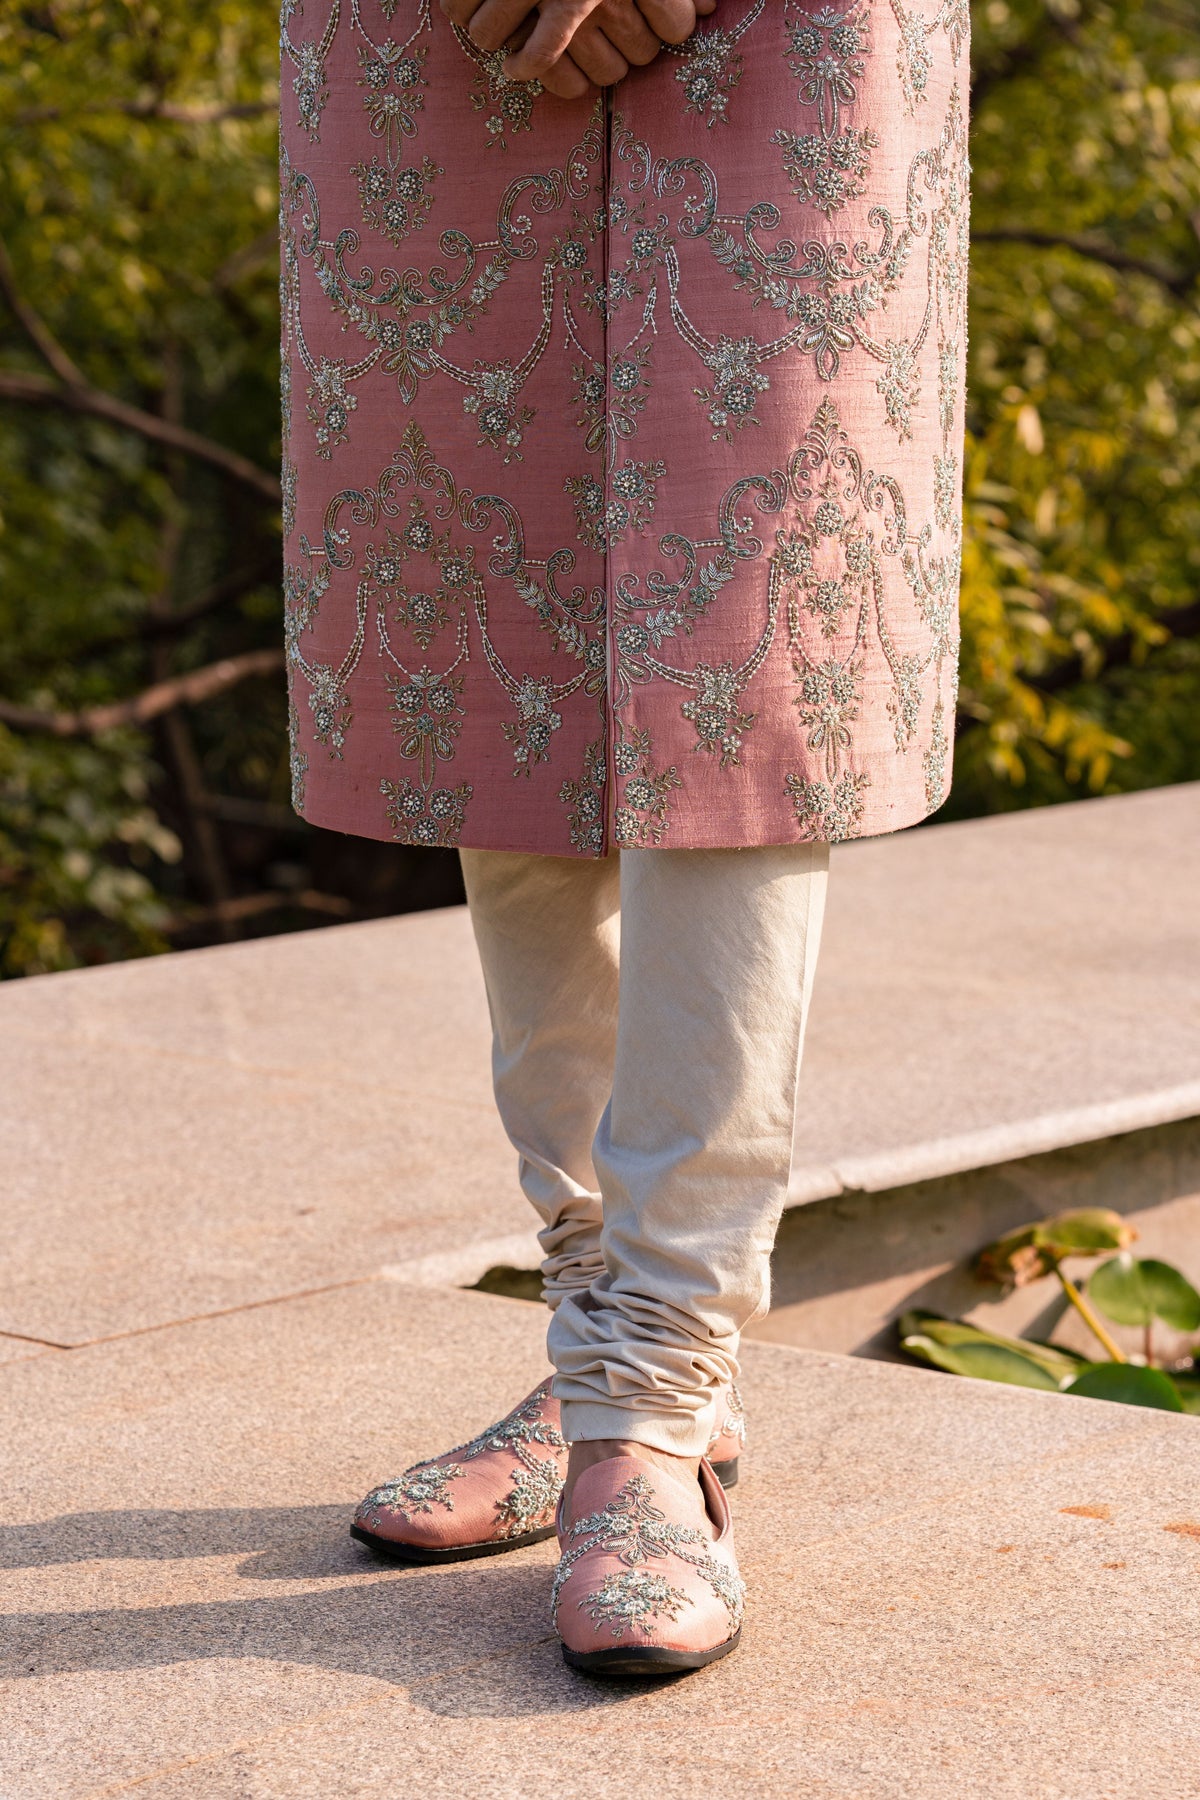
(501, 1490)
(643, 1589)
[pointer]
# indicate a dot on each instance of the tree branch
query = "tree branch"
(1178, 281)
(35, 390)
(156, 625)
(249, 906)
(178, 112)
(261, 249)
(35, 327)
(182, 690)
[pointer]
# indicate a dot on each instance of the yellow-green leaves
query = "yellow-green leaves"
(1036, 1250)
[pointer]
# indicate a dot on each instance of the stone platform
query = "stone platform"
(243, 1189)
(958, 1591)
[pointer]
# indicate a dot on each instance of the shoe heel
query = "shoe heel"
(727, 1473)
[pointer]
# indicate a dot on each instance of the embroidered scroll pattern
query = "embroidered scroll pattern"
(614, 267)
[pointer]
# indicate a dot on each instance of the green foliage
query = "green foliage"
(1129, 1290)
(1132, 1290)
(964, 1349)
(1128, 1384)
(138, 211)
(1035, 1250)
(62, 811)
(1083, 464)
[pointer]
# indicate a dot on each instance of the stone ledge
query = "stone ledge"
(220, 1127)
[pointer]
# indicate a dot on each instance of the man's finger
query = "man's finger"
(673, 20)
(557, 25)
(599, 59)
(459, 11)
(566, 80)
(626, 29)
(492, 24)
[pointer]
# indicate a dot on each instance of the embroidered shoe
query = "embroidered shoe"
(642, 1588)
(729, 1437)
(500, 1491)
(494, 1494)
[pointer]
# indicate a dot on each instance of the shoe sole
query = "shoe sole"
(417, 1553)
(393, 1551)
(643, 1662)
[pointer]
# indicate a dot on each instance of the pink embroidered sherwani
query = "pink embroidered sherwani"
(622, 451)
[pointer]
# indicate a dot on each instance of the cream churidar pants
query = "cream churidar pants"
(648, 1012)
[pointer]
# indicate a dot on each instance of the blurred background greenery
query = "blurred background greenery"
(143, 765)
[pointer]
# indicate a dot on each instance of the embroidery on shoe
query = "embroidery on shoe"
(418, 1490)
(633, 1601)
(536, 1483)
(637, 1532)
(530, 1502)
(733, 1424)
(523, 1425)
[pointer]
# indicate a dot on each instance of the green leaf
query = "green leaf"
(1130, 1384)
(952, 1334)
(1087, 1231)
(1131, 1290)
(1026, 1255)
(1187, 1385)
(977, 1356)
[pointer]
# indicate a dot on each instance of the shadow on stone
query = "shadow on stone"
(466, 1641)
(160, 1533)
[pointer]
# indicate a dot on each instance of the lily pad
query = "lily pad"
(1132, 1290)
(985, 1362)
(1128, 1383)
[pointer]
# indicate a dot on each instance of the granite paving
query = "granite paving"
(957, 1591)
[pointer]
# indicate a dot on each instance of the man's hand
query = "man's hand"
(571, 44)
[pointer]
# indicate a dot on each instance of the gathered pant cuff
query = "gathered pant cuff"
(560, 1282)
(675, 1432)
(630, 1368)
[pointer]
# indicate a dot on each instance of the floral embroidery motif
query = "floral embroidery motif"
(720, 723)
(828, 814)
(527, 1505)
(393, 76)
(711, 67)
(431, 818)
(584, 800)
(530, 1502)
(418, 1490)
(508, 104)
(731, 1418)
(737, 382)
(643, 813)
(638, 1533)
(556, 316)
(827, 54)
(914, 59)
(396, 202)
(827, 172)
(633, 1601)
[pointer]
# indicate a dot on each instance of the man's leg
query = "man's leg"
(547, 928)
(718, 950)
